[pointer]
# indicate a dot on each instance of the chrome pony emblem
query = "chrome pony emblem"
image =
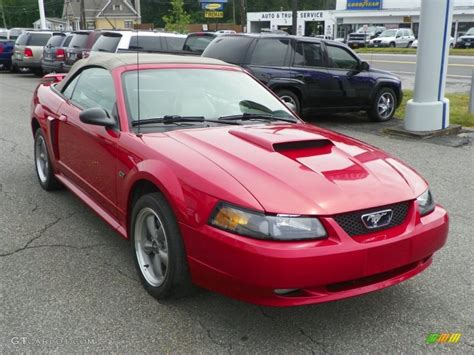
(377, 219)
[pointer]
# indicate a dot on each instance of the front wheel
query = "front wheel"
(289, 97)
(392, 45)
(44, 169)
(158, 249)
(383, 106)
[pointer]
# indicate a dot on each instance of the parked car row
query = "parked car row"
(375, 36)
(311, 75)
(47, 51)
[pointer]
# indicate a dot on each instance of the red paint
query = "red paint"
(249, 166)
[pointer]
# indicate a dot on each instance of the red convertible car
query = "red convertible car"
(218, 184)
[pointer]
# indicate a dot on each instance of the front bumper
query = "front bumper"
(379, 45)
(321, 271)
(357, 44)
(464, 44)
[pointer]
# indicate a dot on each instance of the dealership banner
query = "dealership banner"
(364, 4)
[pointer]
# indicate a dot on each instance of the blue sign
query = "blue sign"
(364, 4)
(212, 6)
(214, 1)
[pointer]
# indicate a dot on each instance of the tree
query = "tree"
(178, 19)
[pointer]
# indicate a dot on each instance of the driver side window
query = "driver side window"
(94, 88)
(340, 58)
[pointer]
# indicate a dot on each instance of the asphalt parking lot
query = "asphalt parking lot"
(67, 281)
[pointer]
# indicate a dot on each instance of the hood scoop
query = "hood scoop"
(282, 139)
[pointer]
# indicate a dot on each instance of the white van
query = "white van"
(138, 41)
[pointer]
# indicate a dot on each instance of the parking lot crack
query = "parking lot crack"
(265, 314)
(38, 235)
(213, 340)
(321, 345)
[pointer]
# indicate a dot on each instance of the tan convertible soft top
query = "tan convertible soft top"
(111, 60)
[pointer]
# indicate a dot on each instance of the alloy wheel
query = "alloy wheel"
(151, 247)
(41, 159)
(386, 105)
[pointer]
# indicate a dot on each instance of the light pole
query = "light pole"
(42, 15)
(294, 17)
(429, 109)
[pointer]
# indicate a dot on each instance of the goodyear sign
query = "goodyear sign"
(364, 4)
(214, 14)
(212, 6)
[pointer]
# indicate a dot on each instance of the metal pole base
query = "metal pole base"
(427, 116)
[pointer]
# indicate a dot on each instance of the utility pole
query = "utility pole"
(42, 15)
(294, 17)
(3, 14)
(83, 16)
(233, 12)
(243, 15)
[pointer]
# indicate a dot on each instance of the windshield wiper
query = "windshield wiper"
(257, 116)
(170, 119)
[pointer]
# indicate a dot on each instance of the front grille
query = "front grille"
(352, 222)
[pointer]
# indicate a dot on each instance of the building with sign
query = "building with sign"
(352, 14)
(349, 15)
(309, 22)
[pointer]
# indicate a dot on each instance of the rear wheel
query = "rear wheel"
(383, 106)
(290, 97)
(44, 170)
(158, 249)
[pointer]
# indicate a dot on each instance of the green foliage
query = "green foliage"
(178, 19)
(22, 13)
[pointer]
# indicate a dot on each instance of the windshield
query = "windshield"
(368, 29)
(389, 33)
(206, 93)
(470, 32)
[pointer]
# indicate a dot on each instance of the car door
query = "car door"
(350, 86)
(309, 68)
(87, 153)
(401, 39)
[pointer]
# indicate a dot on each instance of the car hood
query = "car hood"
(302, 169)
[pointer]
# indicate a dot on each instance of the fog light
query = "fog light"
(284, 291)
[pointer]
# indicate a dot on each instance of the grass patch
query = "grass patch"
(459, 103)
(453, 51)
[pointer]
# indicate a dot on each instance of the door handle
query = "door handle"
(300, 77)
(63, 118)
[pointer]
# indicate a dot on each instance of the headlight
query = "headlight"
(425, 203)
(261, 226)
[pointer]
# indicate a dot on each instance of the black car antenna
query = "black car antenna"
(139, 131)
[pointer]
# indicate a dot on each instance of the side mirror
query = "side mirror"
(97, 117)
(364, 66)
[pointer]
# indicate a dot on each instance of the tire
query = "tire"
(158, 249)
(43, 167)
(290, 96)
(379, 113)
(409, 44)
(392, 45)
(38, 72)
